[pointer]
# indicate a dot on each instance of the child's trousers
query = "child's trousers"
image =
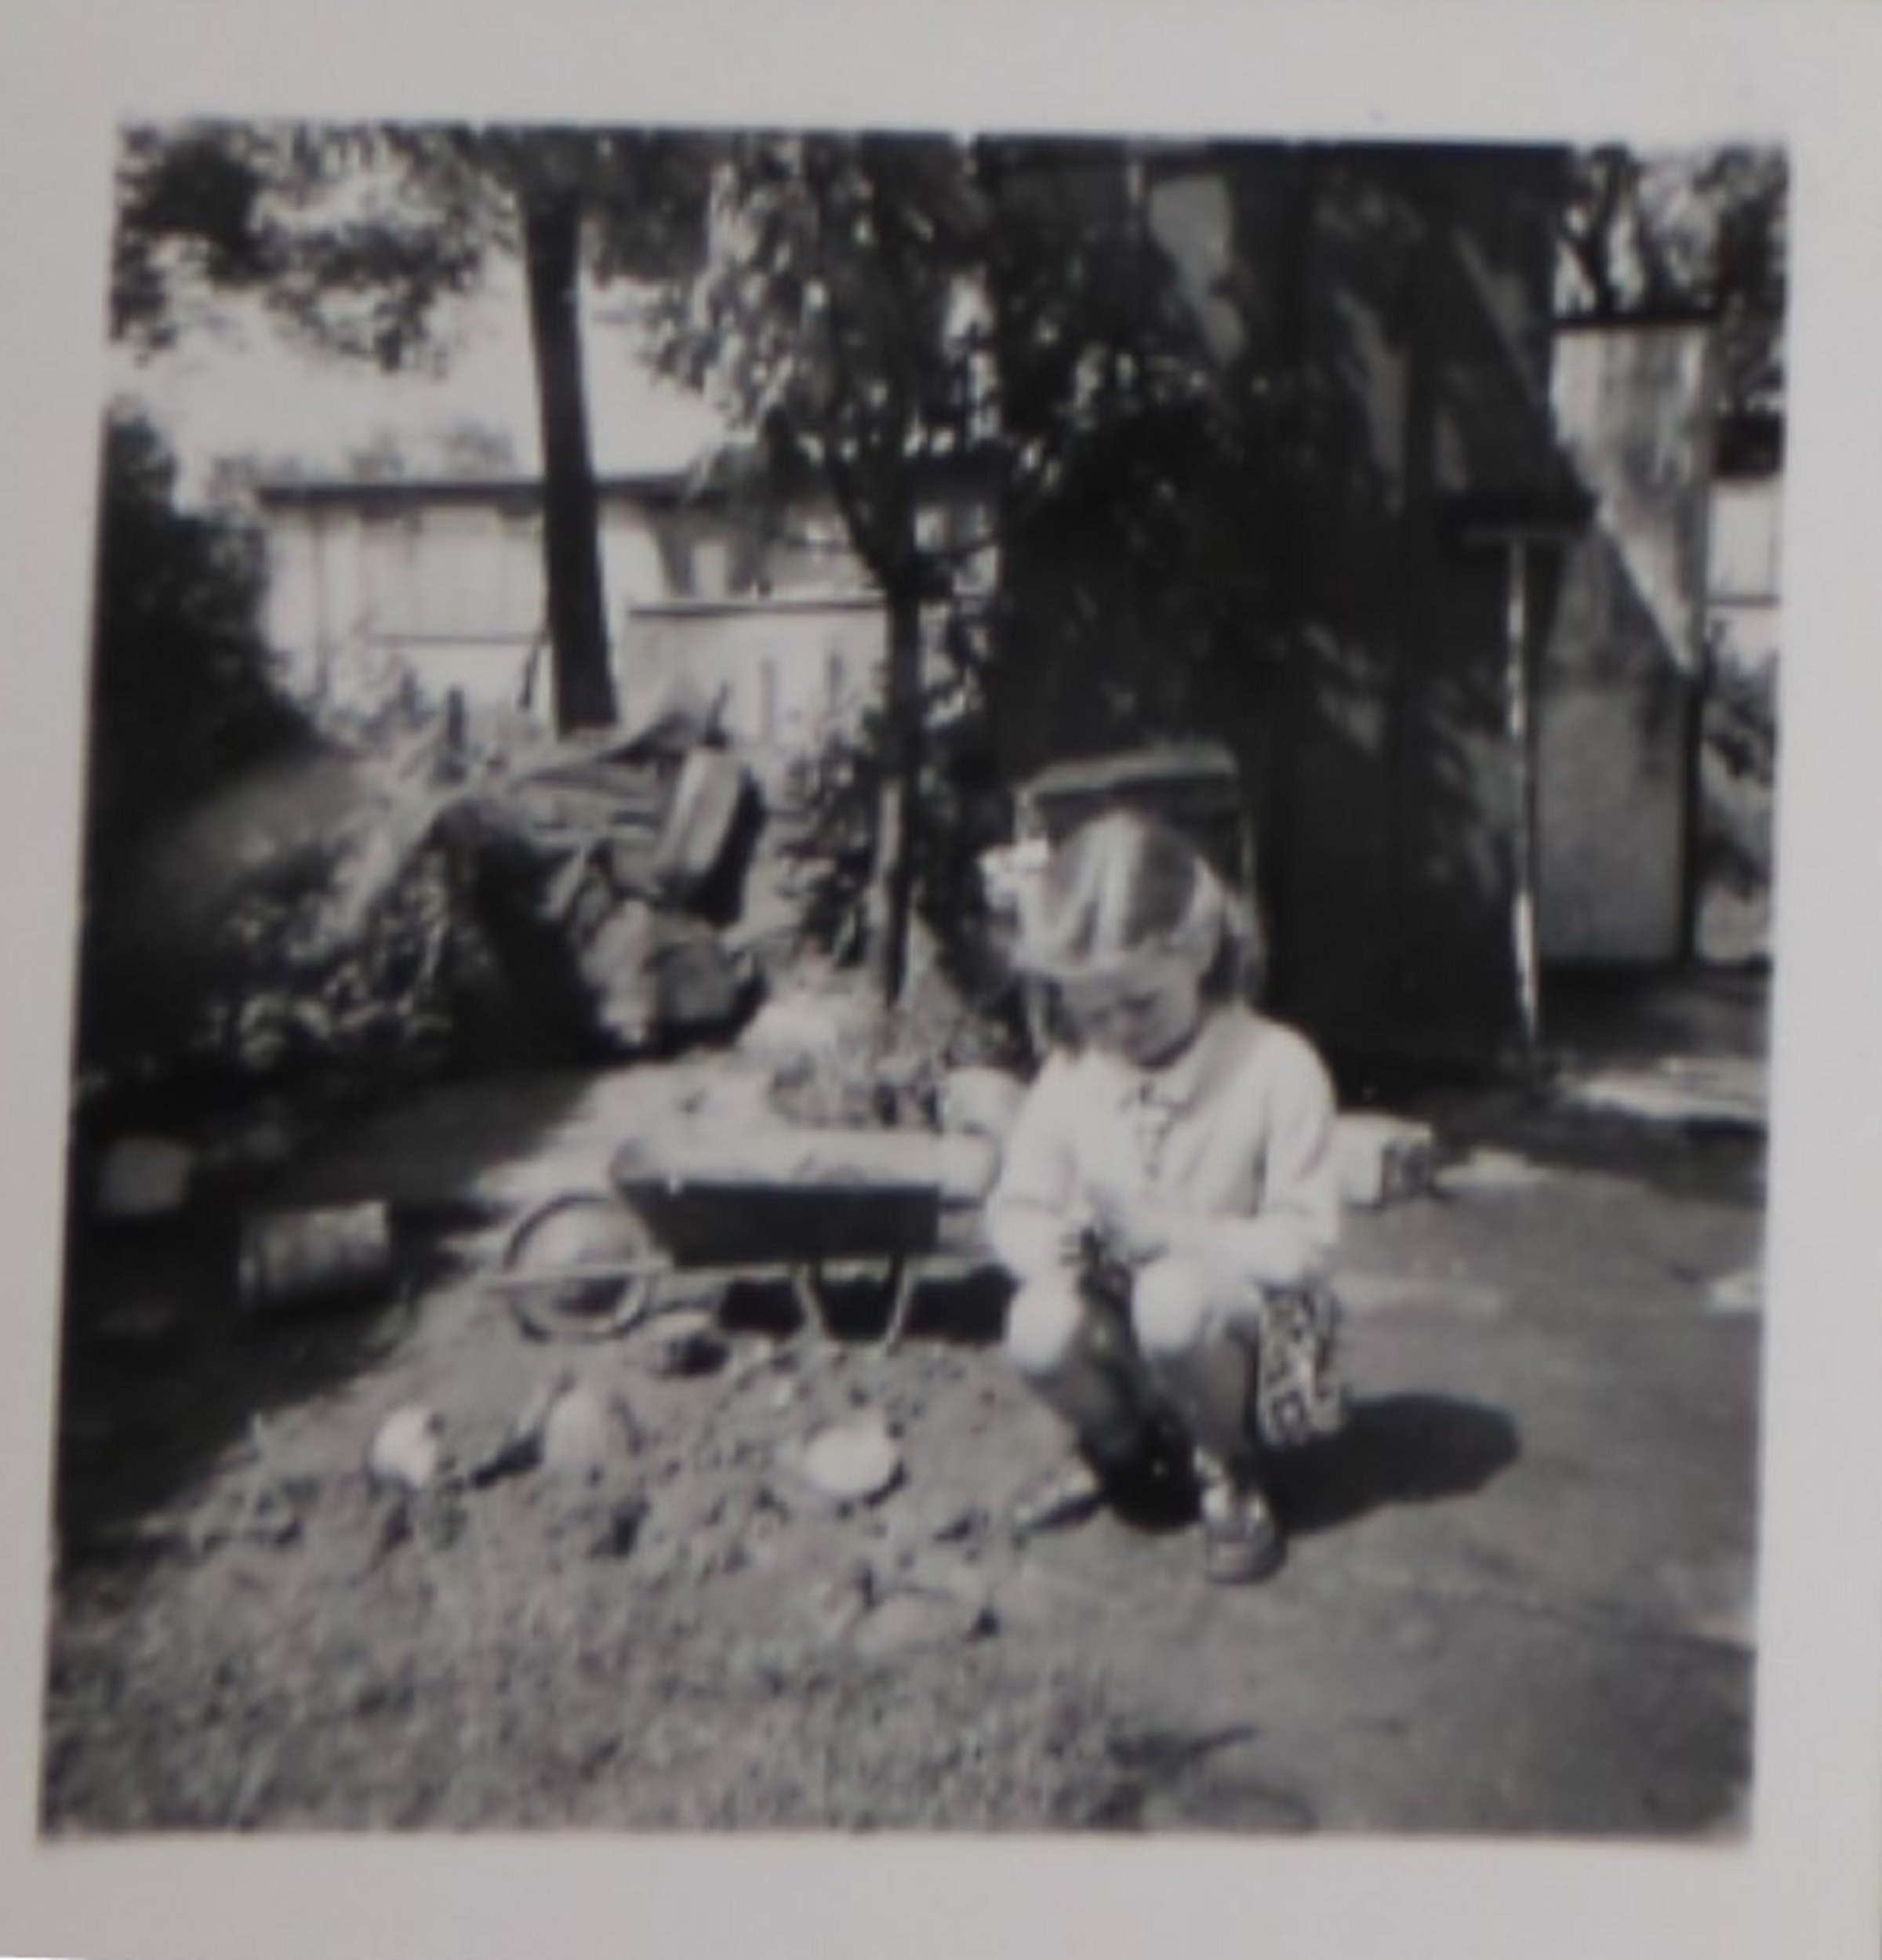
(1187, 1346)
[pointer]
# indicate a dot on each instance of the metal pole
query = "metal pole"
(1523, 825)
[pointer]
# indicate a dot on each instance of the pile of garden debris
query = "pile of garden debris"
(603, 874)
(506, 899)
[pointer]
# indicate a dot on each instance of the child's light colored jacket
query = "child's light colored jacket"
(1233, 1142)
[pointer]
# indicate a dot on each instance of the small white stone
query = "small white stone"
(583, 1434)
(407, 1451)
(925, 1617)
(853, 1462)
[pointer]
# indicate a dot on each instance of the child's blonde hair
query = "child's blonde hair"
(1126, 885)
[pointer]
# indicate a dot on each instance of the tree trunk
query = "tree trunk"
(891, 901)
(1289, 457)
(571, 564)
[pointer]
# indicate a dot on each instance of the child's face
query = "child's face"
(1143, 1014)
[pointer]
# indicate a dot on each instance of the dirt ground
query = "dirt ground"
(1518, 1600)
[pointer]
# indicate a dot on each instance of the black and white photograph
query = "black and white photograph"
(922, 984)
(628, 951)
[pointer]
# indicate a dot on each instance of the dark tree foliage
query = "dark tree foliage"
(1703, 233)
(182, 697)
(207, 209)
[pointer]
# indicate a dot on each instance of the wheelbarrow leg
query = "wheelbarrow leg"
(901, 1286)
(898, 1285)
(813, 1303)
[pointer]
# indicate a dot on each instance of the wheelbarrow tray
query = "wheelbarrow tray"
(792, 1197)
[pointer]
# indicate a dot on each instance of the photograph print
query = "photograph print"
(922, 987)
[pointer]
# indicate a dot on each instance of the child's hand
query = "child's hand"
(1133, 1230)
(1075, 1244)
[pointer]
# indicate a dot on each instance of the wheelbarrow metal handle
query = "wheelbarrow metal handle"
(645, 1268)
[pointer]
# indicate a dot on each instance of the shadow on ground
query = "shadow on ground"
(1395, 1450)
(1406, 1448)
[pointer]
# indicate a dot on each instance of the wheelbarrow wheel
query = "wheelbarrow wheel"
(563, 1268)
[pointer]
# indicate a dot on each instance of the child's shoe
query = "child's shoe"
(1070, 1495)
(1148, 1481)
(1241, 1539)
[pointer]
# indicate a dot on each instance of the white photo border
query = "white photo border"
(1807, 1882)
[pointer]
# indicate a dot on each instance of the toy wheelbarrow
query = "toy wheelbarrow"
(590, 1263)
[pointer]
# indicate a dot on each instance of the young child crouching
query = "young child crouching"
(1168, 1199)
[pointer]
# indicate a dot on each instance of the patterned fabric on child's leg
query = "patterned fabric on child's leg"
(1299, 1395)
